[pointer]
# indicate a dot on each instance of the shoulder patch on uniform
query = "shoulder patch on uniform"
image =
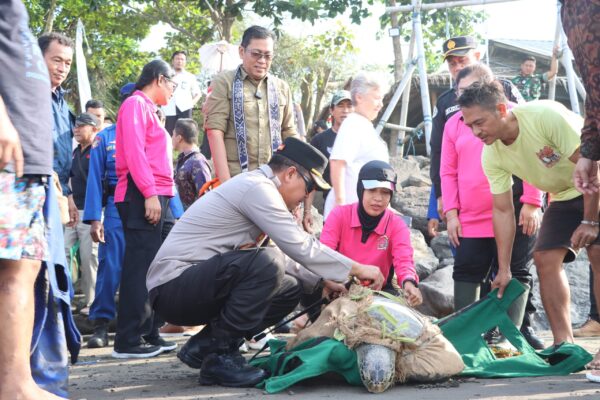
(96, 142)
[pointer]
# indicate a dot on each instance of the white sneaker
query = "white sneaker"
(243, 348)
(257, 345)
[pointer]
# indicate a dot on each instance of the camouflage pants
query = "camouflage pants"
(581, 24)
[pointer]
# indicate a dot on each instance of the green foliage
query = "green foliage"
(437, 26)
(310, 63)
(192, 26)
(113, 33)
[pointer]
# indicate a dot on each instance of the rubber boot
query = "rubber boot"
(516, 311)
(100, 337)
(227, 367)
(465, 294)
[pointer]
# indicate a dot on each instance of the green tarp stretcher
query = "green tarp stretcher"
(312, 358)
(465, 329)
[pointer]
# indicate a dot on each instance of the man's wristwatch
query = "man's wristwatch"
(592, 223)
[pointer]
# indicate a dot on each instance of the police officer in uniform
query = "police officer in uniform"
(215, 267)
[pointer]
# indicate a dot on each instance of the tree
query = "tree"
(113, 33)
(311, 63)
(436, 25)
(224, 13)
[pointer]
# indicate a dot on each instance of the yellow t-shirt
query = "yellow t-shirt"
(548, 135)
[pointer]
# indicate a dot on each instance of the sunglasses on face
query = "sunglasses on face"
(257, 55)
(309, 183)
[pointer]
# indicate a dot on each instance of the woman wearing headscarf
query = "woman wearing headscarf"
(144, 168)
(372, 233)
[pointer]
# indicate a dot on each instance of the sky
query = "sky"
(522, 19)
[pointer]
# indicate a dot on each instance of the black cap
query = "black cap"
(307, 156)
(377, 174)
(459, 46)
(87, 119)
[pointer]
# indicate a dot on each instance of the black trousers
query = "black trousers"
(237, 294)
(172, 119)
(135, 317)
(476, 259)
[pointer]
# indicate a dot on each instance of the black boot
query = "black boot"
(196, 348)
(529, 334)
(100, 337)
(227, 367)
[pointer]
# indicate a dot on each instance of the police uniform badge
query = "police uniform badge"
(96, 142)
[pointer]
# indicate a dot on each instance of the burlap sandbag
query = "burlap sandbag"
(430, 357)
(327, 323)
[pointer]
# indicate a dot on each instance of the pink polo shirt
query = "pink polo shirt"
(389, 244)
(464, 184)
(143, 149)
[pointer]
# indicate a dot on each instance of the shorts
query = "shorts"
(22, 225)
(560, 220)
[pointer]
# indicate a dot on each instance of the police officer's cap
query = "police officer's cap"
(459, 46)
(307, 156)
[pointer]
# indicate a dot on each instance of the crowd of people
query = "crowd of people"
(230, 253)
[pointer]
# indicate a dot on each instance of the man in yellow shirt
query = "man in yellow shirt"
(539, 143)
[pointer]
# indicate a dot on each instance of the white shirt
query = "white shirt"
(187, 89)
(357, 143)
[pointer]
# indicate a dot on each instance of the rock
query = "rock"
(425, 260)
(317, 222)
(441, 246)
(405, 168)
(446, 262)
(422, 160)
(413, 202)
(419, 181)
(438, 293)
(578, 273)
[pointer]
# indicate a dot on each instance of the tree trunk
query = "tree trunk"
(398, 58)
(226, 28)
(322, 85)
(50, 17)
(398, 72)
(306, 88)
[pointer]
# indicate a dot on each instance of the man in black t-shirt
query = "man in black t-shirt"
(340, 107)
(86, 128)
(25, 165)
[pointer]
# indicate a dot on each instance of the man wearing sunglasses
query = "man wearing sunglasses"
(249, 112)
(229, 279)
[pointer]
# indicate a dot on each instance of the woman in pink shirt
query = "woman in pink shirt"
(371, 233)
(468, 209)
(144, 168)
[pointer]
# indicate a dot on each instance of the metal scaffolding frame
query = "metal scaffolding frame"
(574, 85)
